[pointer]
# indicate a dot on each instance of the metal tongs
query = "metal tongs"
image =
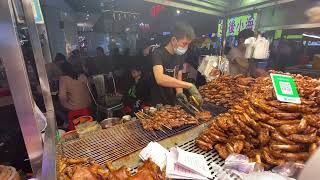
(196, 102)
(188, 107)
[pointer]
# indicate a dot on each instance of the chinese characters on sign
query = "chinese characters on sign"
(237, 24)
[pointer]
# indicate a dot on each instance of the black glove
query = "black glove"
(196, 94)
(182, 96)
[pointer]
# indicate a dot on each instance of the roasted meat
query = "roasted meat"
(226, 91)
(168, 118)
(83, 173)
(268, 131)
(205, 115)
(89, 170)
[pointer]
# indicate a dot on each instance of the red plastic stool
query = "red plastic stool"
(75, 114)
(126, 110)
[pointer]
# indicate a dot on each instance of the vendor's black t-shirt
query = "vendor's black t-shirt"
(172, 64)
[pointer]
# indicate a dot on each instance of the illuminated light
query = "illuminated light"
(155, 10)
(278, 34)
(178, 11)
(294, 37)
(310, 35)
(82, 24)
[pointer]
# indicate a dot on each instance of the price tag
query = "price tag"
(285, 88)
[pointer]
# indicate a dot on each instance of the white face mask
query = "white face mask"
(181, 51)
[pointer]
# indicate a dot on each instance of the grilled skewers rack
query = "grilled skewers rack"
(121, 144)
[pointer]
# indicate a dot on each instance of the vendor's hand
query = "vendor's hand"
(196, 94)
(182, 96)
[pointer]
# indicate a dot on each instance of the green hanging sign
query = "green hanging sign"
(285, 88)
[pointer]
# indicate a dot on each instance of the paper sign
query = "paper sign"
(285, 88)
(185, 165)
(176, 171)
(156, 152)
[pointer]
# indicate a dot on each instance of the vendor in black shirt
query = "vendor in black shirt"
(167, 65)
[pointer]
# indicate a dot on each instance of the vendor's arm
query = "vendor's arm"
(168, 81)
(179, 77)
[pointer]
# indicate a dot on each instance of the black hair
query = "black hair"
(100, 49)
(60, 57)
(137, 68)
(68, 70)
(75, 52)
(227, 49)
(182, 30)
(245, 34)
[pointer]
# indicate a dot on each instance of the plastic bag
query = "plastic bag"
(210, 65)
(288, 169)
(266, 175)
(242, 164)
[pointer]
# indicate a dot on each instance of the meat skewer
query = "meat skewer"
(169, 117)
(272, 132)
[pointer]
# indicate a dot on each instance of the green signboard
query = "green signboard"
(285, 88)
(237, 24)
(278, 34)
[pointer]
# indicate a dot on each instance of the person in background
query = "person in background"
(283, 54)
(76, 61)
(73, 91)
(104, 64)
(238, 62)
(137, 93)
(167, 65)
(192, 58)
(54, 71)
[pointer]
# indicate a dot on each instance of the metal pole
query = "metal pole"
(49, 155)
(258, 23)
(224, 35)
(38, 54)
(11, 54)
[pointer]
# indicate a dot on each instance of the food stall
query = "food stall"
(267, 131)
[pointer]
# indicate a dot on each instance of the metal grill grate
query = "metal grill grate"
(113, 143)
(215, 162)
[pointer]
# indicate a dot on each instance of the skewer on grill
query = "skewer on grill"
(162, 130)
(139, 116)
(167, 127)
(146, 114)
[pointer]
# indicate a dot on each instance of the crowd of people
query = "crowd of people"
(153, 77)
